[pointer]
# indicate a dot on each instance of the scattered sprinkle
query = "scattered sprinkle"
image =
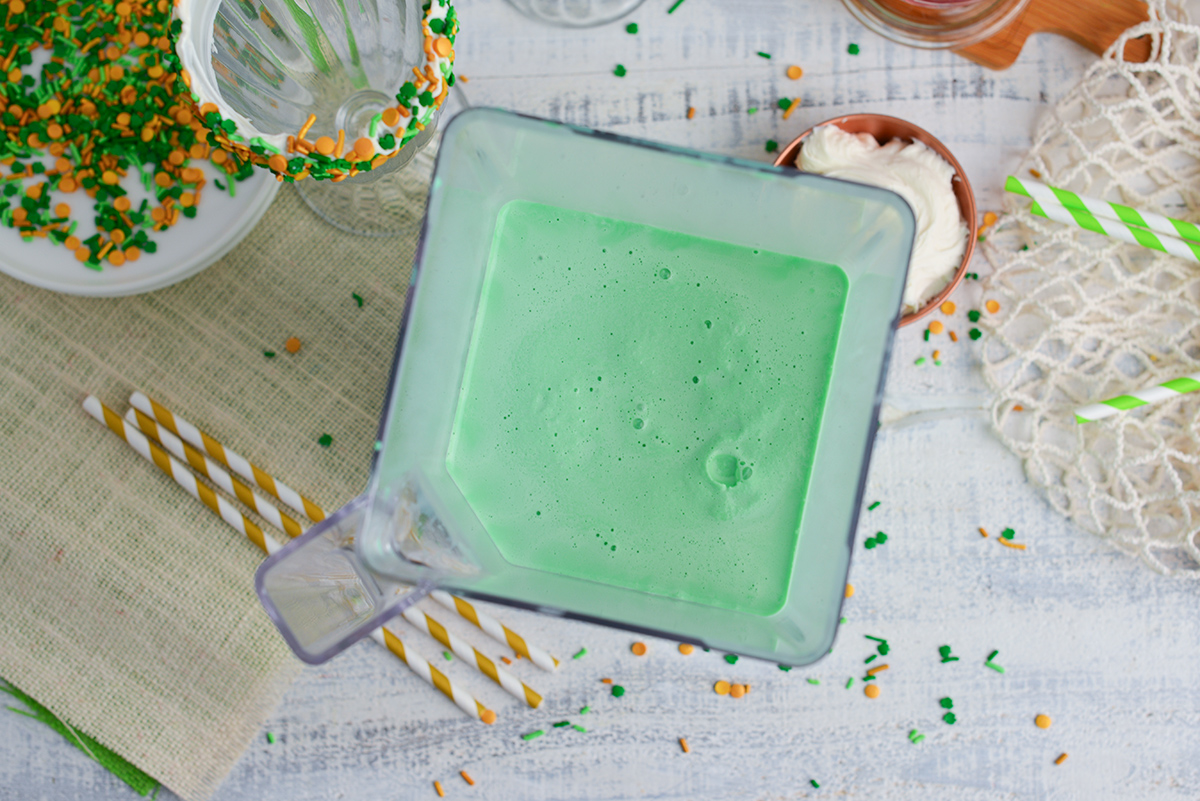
(918, 738)
(683, 744)
(784, 668)
(944, 652)
(877, 669)
(577, 727)
(953, 337)
(449, 656)
(1034, 173)
(1042, 721)
(533, 735)
(325, 440)
(873, 506)
(1019, 408)
(783, 103)
(794, 72)
(937, 354)
(947, 703)
(583, 710)
(871, 691)
(1007, 534)
(618, 691)
(983, 531)
(674, 6)
(813, 782)
(731, 658)
(721, 688)
(582, 652)
(974, 333)
(814, 681)
(792, 106)
(936, 327)
(992, 306)
(852, 49)
(992, 656)
(764, 55)
(631, 28)
(920, 360)
(1061, 758)
(950, 718)
(752, 110)
(562, 723)
(691, 113)
(638, 649)
(620, 71)
(948, 307)
(849, 682)
(849, 590)
(292, 345)
(973, 315)
(506, 660)
(606, 681)
(737, 690)
(686, 648)
(271, 738)
(1015, 545)
(357, 299)
(989, 219)
(467, 777)
(270, 354)
(870, 659)
(438, 786)
(876, 639)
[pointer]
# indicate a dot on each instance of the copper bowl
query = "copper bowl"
(884, 129)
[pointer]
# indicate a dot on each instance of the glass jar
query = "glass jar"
(935, 24)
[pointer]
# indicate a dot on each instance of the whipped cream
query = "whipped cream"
(917, 174)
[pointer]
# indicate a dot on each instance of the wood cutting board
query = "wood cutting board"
(1095, 24)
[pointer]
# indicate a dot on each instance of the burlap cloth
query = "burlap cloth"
(127, 607)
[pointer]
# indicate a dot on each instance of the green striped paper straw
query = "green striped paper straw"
(1156, 394)
(1175, 237)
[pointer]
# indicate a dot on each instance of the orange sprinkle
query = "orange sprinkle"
(208, 108)
(948, 307)
(83, 253)
(488, 717)
(62, 210)
(936, 327)
(116, 258)
(162, 179)
(391, 117)
(737, 690)
(937, 354)
(638, 648)
(54, 130)
(1018, 408)
(467, 777)
(794, 72)
(983, 531)
(992, 306)
(292, 345)
(953, 337)
(506, 660)
(1034, 173)
(691, 113)
(606, 681)
(463, 78)
(989, 219)
(1042, 721)
(795, 104)
(683, 744)
(364, 147)
(849, 590)
(72, 243)
(118, 236)
(442, 47)
(141, 39)
(438, 786)
(176, 157)
(686, 648)
(312, 118)
(1061, 758)
(876, 669)
(121, 204)
(720, 688)
(872, 691)
(67, 185)
(1016, 545)
(277, 163)
(219, 156)
(132, 254)
(341, 143)
(187, 200)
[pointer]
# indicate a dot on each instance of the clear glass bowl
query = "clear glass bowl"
(936, 24)
(575, 13)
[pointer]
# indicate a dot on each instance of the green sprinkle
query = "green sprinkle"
(676, 5)
(852, 49)
(947, 703)
(973, 315)
(584, 710)
(325, 440)
(994, 667)
(618, 691)
(752, 110)
(631, 28)
(926, 334)
(731, 658)
(579, 654)
(880, 537)
(784, 103)
(920, 360)
(533, 735)
(938, 362)
(764, 55)
(949, 718)
(918, 738)
(374, 128)
(270, 354)
(883, 649)
(974, 333)
(620, 71)
(813, 782)
(876, 639)
(992, 655)
(849, 682)
(577, 727)
(868, 678)
(870, 659)
(873, 506)
(1007, 533)
(449, 656)
(842, 621)
(771, 146)
(357, 299)
(378, 446)
(981, 238)
(270, 738)
(870, 543)
(814, 681)
(785, 668)
(562, 723)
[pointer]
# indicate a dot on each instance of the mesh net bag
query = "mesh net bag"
(1085, 317)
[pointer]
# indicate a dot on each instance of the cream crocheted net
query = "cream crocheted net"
(1084, 317)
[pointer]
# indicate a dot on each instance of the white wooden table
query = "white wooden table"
(1085, 634)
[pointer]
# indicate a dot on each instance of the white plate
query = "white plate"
(184, 249)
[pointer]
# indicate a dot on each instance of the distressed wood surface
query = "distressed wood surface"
(1086, 635)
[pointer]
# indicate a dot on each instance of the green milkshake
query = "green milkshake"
(641, 407)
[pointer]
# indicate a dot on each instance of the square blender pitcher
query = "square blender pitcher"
(636, 385)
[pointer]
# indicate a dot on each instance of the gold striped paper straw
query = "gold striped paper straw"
(182, 476)
(214, 473)
(425, 669)
(468, 653)
(495, 629)
(230, 459)
(227, 512)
